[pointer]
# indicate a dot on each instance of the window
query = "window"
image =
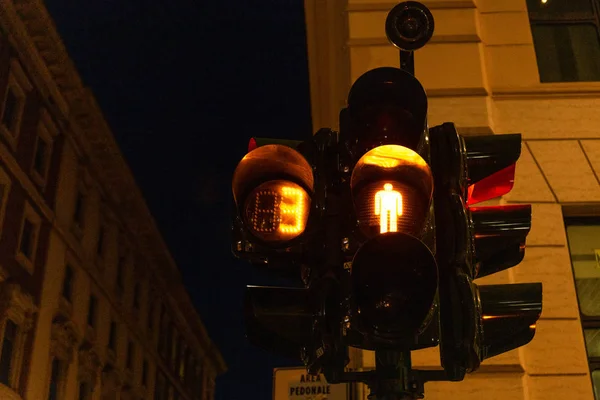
(55, 389)
(43, 148)
(67, 289)
(11, 103)
(79, 212)
(150, 319)
(136, 296)
(8, 348)
(112, 336)
(28, 238)
(92, 310)
(120, 279)
(85, 391)
(145, 373)
(14, 103)
(183, 363)
(584, 244)
(160, 387)
(130, 355)
(100, 243)
(566, 39)
(5, 184)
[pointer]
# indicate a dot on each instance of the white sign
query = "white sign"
(296, 384)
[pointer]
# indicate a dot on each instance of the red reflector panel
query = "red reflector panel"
(277, 211)
(493, 186)
(390, 206)
(252, 145)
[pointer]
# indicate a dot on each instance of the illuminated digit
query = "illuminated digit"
(292, 210)
(266, 211)
(388, 204)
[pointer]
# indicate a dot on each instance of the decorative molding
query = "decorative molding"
(17, 305)
(89, 364)
(388, 5)
(64, 339)
(112, 380)
(4, 275)
(7, 393)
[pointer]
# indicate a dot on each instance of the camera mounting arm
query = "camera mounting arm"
(409, 26)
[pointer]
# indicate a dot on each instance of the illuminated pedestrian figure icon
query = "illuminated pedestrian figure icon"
(388, 204)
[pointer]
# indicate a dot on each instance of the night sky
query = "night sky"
(184, 84)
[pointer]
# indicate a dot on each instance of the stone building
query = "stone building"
(92, 305)
(510, 66)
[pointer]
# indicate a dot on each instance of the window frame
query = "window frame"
(78, 227)
(20, 85)
(34, 218)
(47, 132)
(587, 322)
(63, 368)
(7, 183)
(571, 18)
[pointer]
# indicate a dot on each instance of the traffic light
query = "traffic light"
(377, 230)
(384, 152)
(273, 186)
(479, 322)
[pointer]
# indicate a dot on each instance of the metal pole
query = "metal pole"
(407, 61)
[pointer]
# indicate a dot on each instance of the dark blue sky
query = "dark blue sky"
(184, 84)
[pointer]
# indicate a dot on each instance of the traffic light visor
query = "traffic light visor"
(391, 187)
(278, 319)
(272, 188)
(389, 86)
(491, 164)
(394, 279)
(509, 314)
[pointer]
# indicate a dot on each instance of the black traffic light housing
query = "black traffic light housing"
(376, 229)
(479, 241)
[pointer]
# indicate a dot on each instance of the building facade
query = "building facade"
(526, 66)
(92, 305)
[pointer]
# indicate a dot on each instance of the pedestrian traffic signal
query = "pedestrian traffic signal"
(384, 141)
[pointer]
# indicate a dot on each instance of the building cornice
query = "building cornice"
(39, 45)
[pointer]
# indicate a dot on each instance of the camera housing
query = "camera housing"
(409, 25)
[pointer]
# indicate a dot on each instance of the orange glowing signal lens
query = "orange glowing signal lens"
(388, 205)
(277, 211)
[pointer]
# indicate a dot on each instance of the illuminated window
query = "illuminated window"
(565, 36)
(584, 245)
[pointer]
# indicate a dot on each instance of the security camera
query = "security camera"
(409, 25)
